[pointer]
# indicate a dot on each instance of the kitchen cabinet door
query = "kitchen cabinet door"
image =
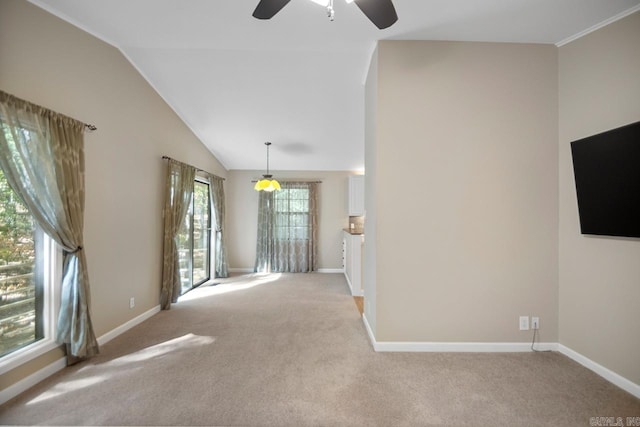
(356, 195)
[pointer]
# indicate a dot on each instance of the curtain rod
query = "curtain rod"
(199, 170)
(14, 99)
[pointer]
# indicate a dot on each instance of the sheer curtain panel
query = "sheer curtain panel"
(42, 157)
(264, 241)
(216, 186)
(178, 194)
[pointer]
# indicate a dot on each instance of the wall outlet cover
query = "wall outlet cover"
(535, 323)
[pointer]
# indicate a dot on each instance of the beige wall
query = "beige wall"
(462, 175)
(599, 276)
(242, 206)
(467, 195)
(51, 63)
(370, 198)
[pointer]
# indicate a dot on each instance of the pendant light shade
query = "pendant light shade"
(266, 183)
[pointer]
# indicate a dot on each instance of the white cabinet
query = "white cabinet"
(352, 258)
(356, 195)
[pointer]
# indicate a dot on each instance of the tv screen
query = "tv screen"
(607, 173)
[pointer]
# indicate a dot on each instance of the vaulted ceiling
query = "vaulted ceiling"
(297, 79)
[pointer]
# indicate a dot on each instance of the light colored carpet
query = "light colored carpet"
(291, 350)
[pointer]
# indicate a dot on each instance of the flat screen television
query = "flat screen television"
(606, 168)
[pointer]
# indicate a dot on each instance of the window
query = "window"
(28, 260)
(291, 211)
(194, 239)
(20, 292)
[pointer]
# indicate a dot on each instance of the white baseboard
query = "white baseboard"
(463, 347)
(384, 346)
(128, 325)
(470, 347)
(355, 294)
(33, 379)
(240, 270)
(455, 347)
(605, 373)
(372, 337)
(250, 270)
(348, 283)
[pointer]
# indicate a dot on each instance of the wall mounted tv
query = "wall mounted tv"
(606, 168)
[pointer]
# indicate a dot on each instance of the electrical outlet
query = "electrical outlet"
(535, 323)
(524, 323)
(132, 302)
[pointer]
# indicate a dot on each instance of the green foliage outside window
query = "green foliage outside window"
(17, 262)
(16, 227)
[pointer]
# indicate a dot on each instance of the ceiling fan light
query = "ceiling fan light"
(381, 13)
(325, 3)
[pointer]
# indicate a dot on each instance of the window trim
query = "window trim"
(210, 214)
(52, 282)
(203, 180)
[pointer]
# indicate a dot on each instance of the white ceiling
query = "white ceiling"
(297, 80)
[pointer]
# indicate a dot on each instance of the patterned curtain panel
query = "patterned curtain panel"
(178, 194)
(288, 229)
(216, 188)
(264, 245)
(42, 157)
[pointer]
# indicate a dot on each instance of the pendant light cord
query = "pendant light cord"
(267, 144)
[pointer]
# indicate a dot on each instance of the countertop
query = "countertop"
(353, 233)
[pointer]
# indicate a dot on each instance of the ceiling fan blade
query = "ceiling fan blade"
(266, 9)
(380, 12)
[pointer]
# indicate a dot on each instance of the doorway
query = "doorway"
(194, 239)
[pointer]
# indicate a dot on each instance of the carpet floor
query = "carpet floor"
(292, 350)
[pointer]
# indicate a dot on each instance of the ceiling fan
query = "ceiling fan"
(381, 12)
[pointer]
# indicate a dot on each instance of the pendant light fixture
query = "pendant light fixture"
(266, 183)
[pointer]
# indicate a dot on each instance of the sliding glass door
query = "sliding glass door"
(195, 239)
